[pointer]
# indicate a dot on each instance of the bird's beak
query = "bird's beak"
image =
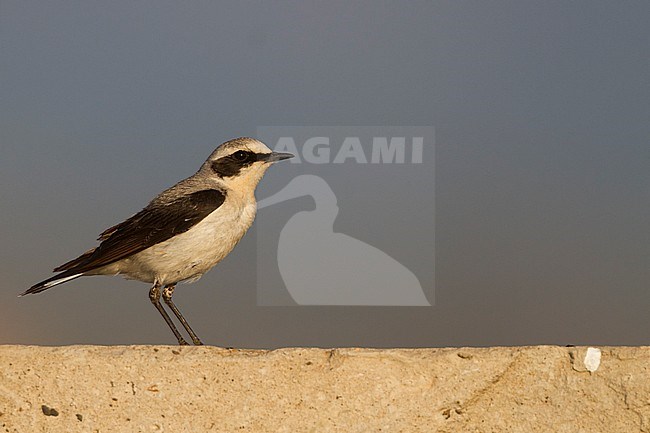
(277, 156)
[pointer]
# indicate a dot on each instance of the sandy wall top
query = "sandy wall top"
(164, 388)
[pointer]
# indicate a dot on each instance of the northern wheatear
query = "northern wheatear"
(184, 231)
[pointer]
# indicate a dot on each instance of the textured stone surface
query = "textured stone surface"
(174, 389)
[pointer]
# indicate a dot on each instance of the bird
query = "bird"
(183, 232)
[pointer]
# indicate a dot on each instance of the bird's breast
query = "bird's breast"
(190, 254)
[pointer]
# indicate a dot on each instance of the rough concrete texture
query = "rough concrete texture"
(208, 389)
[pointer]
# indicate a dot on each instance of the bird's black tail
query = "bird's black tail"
(51, 282)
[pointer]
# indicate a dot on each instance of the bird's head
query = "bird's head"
(240, 163)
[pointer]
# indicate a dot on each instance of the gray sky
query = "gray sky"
(542, 160)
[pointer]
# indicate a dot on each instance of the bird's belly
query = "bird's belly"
(189, 255)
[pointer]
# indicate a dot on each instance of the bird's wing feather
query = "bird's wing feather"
(154, 224)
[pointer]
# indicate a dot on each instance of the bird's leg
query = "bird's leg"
(167, 293)
(154, 297)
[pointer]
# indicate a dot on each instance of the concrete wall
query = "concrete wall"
(208, 389)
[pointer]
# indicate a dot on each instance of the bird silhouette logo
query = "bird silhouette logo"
(321, 267)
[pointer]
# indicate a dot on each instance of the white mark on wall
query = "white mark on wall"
(592, 359)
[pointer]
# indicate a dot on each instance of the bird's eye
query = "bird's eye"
(240, 155)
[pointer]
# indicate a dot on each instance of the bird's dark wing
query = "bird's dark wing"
(154, 224)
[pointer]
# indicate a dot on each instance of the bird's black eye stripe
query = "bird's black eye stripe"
(232, 164)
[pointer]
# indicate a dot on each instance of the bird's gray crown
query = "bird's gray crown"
(241, 143)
